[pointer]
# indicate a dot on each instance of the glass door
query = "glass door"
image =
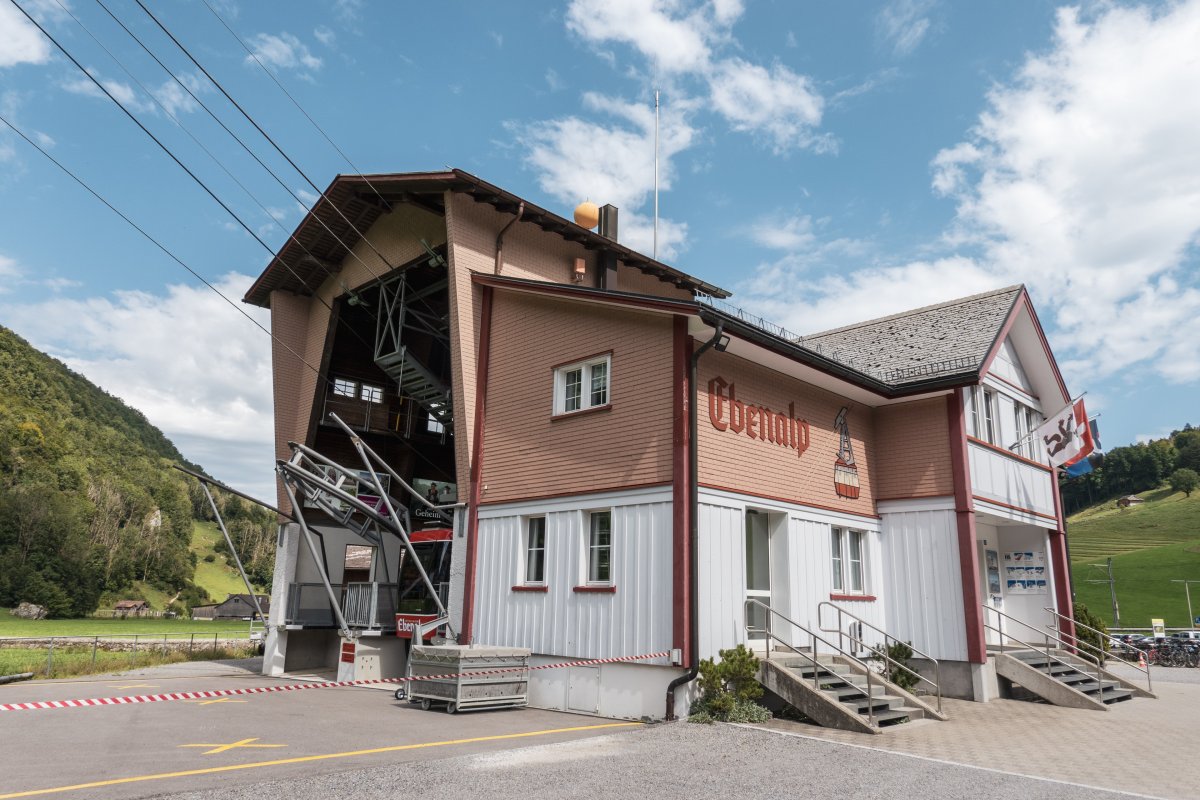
(758, 574)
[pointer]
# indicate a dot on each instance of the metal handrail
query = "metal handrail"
(1104, 636)
(1047, 637)
(812, 658)
(936, 683)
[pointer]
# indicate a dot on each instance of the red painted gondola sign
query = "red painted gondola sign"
(845, 471)
(757, 422)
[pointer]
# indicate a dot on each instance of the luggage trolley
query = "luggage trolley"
(473, 688)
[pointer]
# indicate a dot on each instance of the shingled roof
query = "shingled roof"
(911, 346)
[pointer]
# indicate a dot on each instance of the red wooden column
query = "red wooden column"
(968, 557)
(681, 506)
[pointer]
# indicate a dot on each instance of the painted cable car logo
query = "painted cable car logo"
(845, 471)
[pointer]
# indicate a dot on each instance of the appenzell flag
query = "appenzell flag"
(1067, 435)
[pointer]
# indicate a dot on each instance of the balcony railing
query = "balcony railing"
(370, 605)
(364, 605)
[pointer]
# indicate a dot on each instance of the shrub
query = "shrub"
(729, 689)
(1091, 644)
(900, 652)
(1185, 480)
(210, 558)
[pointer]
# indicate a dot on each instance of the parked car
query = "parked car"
(1186, 636)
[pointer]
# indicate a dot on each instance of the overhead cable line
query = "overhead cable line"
(267, 136)
(153, 240)
(321, 378)
(184, 128)
(295, 102)
(173, 157)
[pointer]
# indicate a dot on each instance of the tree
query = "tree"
(1189, 457)
(1185, 480)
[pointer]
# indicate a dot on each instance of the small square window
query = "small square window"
(583, 385)
(372, 394)
(599, 555)
(535, 550)
(345, 388)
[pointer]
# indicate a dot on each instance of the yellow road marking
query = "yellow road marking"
(302, 759)
(221, 748)
(218, 700)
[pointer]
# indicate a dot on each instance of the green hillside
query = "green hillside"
(90, 506)
(218, 577)
(1151, 545)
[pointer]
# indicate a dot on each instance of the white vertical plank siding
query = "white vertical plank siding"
(1006, 480)
(633, 621)
(722, 578)
(924, 582)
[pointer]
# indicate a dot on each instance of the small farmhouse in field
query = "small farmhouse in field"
(235, 606)
(130, 608)
(1129, 500)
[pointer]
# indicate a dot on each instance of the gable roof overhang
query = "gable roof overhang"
(352, 203)
(749, 341)
(1024, 329)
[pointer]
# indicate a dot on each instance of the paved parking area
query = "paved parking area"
(146, 749)
(1141, 746)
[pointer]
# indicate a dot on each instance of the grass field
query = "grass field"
(70, 661)
(218, 577)
(12, 626)
(1151, 545)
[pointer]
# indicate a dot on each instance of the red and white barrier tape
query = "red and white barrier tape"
(211, 693)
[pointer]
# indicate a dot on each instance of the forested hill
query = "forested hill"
(88, 499)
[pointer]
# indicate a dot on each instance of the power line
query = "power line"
(321, 378)
(267, 136)
(295, 102)
(151, 239)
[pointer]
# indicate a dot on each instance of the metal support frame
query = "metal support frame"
(343, 628)
(233, 550)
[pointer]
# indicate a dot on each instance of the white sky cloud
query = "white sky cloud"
(325, 35)
(671, 36)
(20, 41)
(195, 367)
(777, 103)
(282, 51)
(903, 24)
(1080, 179)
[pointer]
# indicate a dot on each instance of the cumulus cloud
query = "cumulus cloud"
(282, 51)
(672, 37)
(20, 41)
(609, 162)
(123, 93)
(778, 103)
(1080, 179)
(195, 367)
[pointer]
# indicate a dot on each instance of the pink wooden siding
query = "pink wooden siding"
(912, 457)
(528, 452)
(737, 462)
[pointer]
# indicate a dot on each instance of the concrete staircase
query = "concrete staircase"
(1064, 679)
(837, 696)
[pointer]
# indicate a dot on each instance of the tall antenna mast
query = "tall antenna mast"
(655, 174)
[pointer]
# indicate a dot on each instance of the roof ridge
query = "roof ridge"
(914, 311)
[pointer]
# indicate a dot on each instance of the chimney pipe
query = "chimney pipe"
(606, 276)
(608, 221)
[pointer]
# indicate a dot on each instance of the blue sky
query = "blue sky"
(826, 162)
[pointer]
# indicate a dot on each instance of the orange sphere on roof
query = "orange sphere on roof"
(587, 214)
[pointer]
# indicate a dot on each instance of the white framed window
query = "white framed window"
(582, 385)
(985, 416)
(372, 394)
(345, 388)
(599, 549)
(535, 550)
(848, 560)
(432, 424)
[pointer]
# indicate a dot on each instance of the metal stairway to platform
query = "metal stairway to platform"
(836, 689)
(397, 313)
(1056, 672)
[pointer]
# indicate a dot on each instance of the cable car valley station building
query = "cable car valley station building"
(497, 427)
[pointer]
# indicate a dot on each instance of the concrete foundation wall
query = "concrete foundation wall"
(619, 691)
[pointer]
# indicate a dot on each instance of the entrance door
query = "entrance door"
(758, 575)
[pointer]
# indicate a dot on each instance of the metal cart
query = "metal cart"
(473, 689)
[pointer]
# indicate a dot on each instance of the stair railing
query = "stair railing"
(1047, 637)
(888, 640)
(1081, 645)
(809, 657)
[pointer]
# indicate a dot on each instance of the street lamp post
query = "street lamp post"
(1188, 591)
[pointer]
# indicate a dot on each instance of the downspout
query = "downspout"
(693, 526)
(500, 237)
